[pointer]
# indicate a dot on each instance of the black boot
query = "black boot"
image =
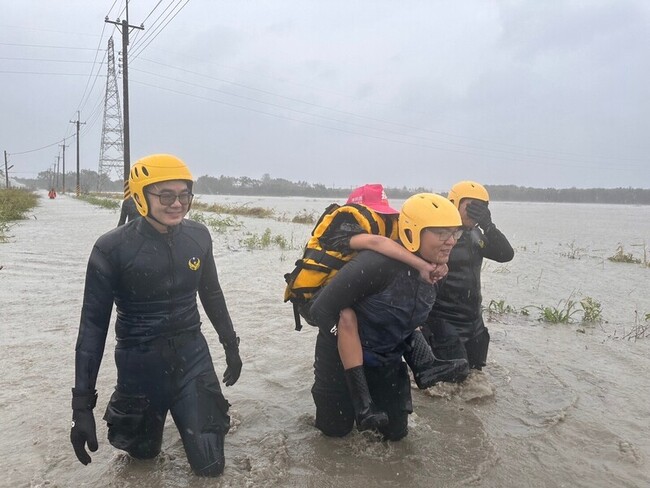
(429, 370)
(368, 416)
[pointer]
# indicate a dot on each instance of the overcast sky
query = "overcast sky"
(409, 93)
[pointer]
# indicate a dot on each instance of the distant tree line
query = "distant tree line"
(90, 181)
(512, 193)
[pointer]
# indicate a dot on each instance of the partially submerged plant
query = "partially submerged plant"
(305, 217)
(561, 314)
(640, 330)
(591, 309)
(255, 241)
(574, 252)
(109, 203)
(500, 307)
(623, 257)
(218, 224)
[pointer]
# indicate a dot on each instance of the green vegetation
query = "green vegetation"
(592, 311)
(217, 224)
(243, 210)
(14, 204)
(105, 202)
(561, 314)
(255, 241)
(500, 307)
(566, 310)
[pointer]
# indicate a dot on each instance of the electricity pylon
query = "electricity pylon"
(111, 158)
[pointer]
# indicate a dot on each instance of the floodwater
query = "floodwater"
(557, 405)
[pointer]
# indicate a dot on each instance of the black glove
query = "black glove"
(231, 375)
(480, 213)
(83, 424)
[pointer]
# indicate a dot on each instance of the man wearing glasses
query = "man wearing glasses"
(152, 269)
(390, 301)
(455, 328)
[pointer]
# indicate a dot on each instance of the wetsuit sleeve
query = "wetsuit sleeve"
(214, 303)
(339, 232)
(95, 319)
(497, 246)
(366, 274)
(123, 214)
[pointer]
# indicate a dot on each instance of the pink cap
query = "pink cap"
(372, 196)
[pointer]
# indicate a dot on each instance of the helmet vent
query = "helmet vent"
(144, 170)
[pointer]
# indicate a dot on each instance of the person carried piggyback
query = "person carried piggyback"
(365, 222)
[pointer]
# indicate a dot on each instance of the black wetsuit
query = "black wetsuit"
(163, 361)
(390, 301)
(128, 212)
(455, 327)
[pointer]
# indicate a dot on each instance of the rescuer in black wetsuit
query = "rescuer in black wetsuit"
(455, 327)
(152, 269)
(129, 211)
(390, 301)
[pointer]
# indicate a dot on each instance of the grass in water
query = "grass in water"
(255, 241)
(305, 217)
(110, 203)
(620, 256)
(500, 307)
(14, 204)
(566, 310)
(218, 224)
(243, 210)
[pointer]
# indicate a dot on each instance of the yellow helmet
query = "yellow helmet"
(467, 189)
(154, 169)
(425, 210)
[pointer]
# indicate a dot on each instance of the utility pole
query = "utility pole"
(7, 168)
(77, 123)
(125, 90)
(58, 160)
(63, 173)
(6, 172)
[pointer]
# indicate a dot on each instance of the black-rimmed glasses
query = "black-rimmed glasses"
(168, 198)
(444, 234)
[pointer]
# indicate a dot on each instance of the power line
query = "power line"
(504, 147)
(40, 148)
(161, 29)
(47, 46)
(386, 139)
(461, 147)
(45, 60)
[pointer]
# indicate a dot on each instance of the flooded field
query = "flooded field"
(558, 404)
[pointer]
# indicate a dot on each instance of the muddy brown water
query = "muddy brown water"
(558, 405)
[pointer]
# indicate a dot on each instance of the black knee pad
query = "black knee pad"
(133, 426)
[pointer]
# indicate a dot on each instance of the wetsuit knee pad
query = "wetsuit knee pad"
(212, 407)
(334, 413)
(133, 426)
(477, 350)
